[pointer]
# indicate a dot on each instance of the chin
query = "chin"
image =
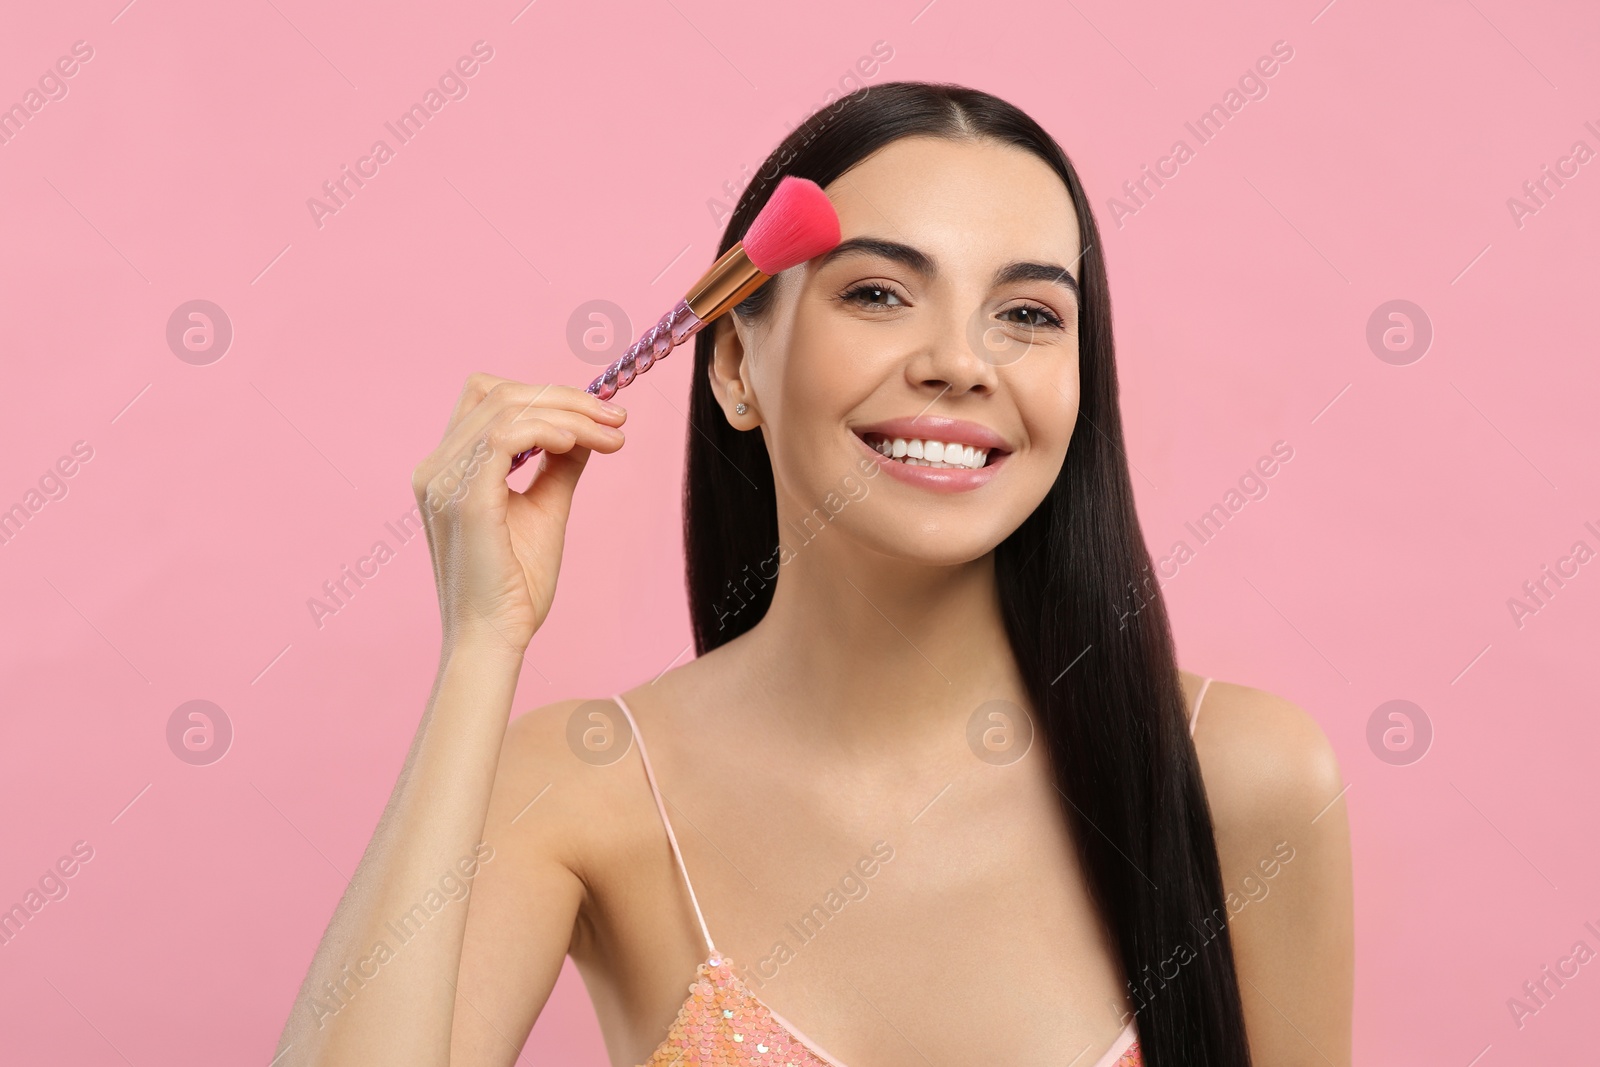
(930, 545)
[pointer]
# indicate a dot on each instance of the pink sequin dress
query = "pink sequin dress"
(724, 1024)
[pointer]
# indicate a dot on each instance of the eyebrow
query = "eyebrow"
(923, 264)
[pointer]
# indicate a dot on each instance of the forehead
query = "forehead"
(968, 204)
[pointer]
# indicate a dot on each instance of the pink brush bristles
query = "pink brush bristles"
(796, 223)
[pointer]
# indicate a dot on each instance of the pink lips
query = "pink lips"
(950, 431)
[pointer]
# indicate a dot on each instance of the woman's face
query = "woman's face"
(956, 323)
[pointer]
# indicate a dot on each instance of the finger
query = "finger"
(507, 405)
(515, 431)
(557, 473)
(476, 478)
(477, 387)
(565, 397)
(508, 432)
(484, 386)
(504, 394)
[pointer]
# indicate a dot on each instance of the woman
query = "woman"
(931, 779)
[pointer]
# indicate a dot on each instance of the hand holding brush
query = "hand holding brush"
(797, 223)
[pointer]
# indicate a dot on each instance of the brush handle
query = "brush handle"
(675, 327)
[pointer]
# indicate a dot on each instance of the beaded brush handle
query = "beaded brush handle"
(675, 327)
(796, 223)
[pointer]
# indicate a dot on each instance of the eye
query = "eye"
(869, 289)
(1048, 317)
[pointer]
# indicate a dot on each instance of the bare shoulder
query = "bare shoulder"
(570, 763)
(1276, 794)
(579, 765)
(1267, 764)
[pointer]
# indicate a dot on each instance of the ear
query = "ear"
(730, 370)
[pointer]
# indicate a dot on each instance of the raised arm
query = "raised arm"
(381, 986)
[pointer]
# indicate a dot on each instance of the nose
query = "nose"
(952, 358)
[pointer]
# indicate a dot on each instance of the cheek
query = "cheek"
(1048, 402)
(807, 392)
(835, 351)
(828, 369)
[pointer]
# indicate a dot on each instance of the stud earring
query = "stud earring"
(740, 408)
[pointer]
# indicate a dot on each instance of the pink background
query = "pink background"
(220, 497)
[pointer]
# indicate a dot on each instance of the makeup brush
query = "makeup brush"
(797, 223)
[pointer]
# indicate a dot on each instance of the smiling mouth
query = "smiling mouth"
(915, 452)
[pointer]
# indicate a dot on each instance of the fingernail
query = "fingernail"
(612, 409)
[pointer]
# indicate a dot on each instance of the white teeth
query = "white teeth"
(917, 452)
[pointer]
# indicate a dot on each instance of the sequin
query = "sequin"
(720, 1012)
(719, 1028)
(730, 1028)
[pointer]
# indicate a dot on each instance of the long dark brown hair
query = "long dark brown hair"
(1089, 631)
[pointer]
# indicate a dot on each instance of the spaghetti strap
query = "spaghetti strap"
(661, 806)
(1194, 716)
